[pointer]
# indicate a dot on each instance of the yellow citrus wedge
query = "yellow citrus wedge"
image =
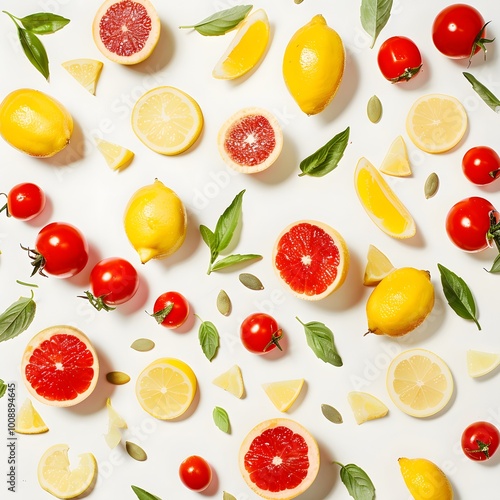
(167, 120)
(480, 363)
(396, 160)
(283, 393)
(436, 122)
(56, 477)
(419, 382)
(166, 388)
(381, 203)
(115, 423)
(378, 266)
(366, 407)
(28, 420)
(85, 71)
(231, 381)
(117, 157)
(246, 49)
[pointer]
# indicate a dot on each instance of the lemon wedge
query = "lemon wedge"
(28, 420)
(378, 266)
(117, 157)
(283, 393)
(396, 160)
(480, 363)
(366, 407)
(231, 381)
(85, 71)
(115, 423)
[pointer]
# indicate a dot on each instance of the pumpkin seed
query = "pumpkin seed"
(331, 414)
(251, 281)
(227, 496)
(224, 303)
(135, 451)
(431, 185)
(142, 345)
(117, 378)
(374, 109)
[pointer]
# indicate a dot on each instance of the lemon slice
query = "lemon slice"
(480, 363)
(166, 388)
(381, 203)
(56, 477)
(28, 420)
(283, 393)
(246, 49)
(378, 266)
(231, 381)
(117, 157)
(85, 71)
(419, 382)
(167, 120)
(436, 123)
(396, 160)
(366, 406)
(115, 423)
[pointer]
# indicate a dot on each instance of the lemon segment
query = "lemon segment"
(283, 393)
(366, 407)
(381, 203)
(28, 420)
(436, 123)
(117, 157)
(85, 71)
(115, 423)
(56, 477)
(396, 160)
(166, 388)
(480, 363)
(419, 382)
(231, 381)
(246, 49)
(378, 266)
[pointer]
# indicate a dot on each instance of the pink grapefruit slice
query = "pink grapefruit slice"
(279, 459)
(311, 259)
(60, 366)
(251, 140)
(126, 31)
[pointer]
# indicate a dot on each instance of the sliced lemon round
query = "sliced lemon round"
(284, 392)
(419, 382)
(28, 420)
(85, 71)
(117, 157)
(366, 407)
(480, 363)
(436, 122)
(231, 381)
(378, 266)
(167, 120)
(396, 160)
(166, 388)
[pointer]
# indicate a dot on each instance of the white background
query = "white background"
(82, 190)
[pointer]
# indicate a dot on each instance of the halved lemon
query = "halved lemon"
(436, 122)
(85, 71)
(378, 266)
(167, 120)
(366, 407)
(231, 381)
(381, 203)
(115, 423)
(419, 382)
(246, 49)
(480, 363)
(28, 420)
(284, 392)
(396, 160)
(117, 157)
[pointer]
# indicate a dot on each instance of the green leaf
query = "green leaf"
(231, 260)
(320, 340)
(162, 313)
(208, 237)
(221, 22)
(221, 419)
(43, 23)
(495, 267)
(374, 16)
(3, 388)
(458, 295)
(143, 494)
(357, 482)
(326, 158)
(485, 94)
(17, 318)
(228, 221)
(35, 51)
(209, 339)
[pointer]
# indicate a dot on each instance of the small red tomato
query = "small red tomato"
(25, 201)
(481, 165)
(480, 440)
(260, 333)
(171, 309)
(195, 473)
(399, 59)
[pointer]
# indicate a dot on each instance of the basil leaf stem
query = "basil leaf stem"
(374, 16)
(357, 482)
(221, 22)
(320, 340)
(483, 92)
(17, 318)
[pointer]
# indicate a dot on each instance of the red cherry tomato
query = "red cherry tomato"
(459, 31)
(480, 440)
(195, 473)
(25, 201)
(171, 309)
(468, 223)
(260, 333)
(399, 59)
(481, 165)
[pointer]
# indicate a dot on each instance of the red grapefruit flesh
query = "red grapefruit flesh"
(126, 31)
(311, 258)
(60, 366)
(279, 459)
(251, 140)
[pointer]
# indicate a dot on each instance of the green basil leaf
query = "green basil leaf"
(458, 295)
(43, 23)
(17, 318)
(207, 236)
(357, 482)
(228, 221)
(143, 494)
(320, 340)
(374, 16)
(221, 22)
(35, 51)
(231, 260)
(3, 388)
(221, 419)
(209, 339)
(495, 267)
(485, 94)
(326, 158)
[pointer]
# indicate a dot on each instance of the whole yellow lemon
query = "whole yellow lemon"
(155, 221)
(313, 65)
(35, 123)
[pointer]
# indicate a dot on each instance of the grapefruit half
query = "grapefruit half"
(60, 366)
(250, 140)
(126, 31)
(311, 259)
(279, 459)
